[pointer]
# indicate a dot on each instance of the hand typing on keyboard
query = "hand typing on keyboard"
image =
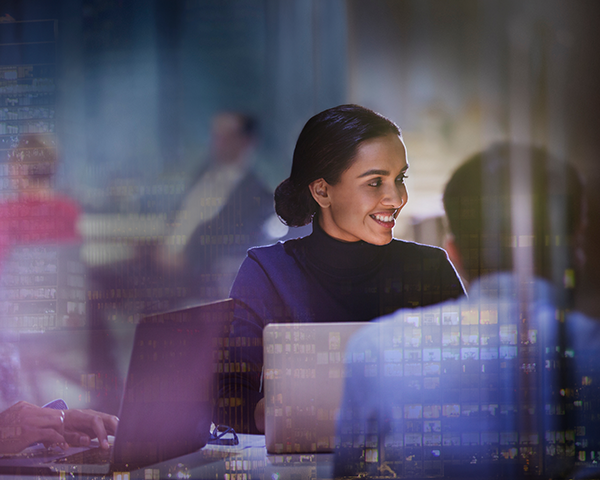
(83, 425)
(23, 424)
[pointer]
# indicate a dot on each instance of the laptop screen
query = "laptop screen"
(167, 404)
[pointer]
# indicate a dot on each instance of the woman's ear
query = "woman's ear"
(319, 189)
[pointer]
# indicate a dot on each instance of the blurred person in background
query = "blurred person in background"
(223, 213)
(34, 213)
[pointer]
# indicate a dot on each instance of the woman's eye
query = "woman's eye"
(401, 178)
(375, 183)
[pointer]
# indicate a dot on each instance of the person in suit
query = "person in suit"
(222, 214)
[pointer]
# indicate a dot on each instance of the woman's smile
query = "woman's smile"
(385, 220)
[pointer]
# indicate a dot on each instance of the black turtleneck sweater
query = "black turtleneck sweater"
(320, 279)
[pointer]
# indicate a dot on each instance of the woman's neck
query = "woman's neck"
(330, 228)
(325, 251)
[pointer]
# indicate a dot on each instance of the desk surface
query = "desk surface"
(247, 461)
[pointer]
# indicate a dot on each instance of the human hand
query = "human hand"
(24, 424)
(83, 425)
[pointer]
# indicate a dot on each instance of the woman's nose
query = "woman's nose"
(395, 196)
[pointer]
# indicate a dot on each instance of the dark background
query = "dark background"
(138, 82)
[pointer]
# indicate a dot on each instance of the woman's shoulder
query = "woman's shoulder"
(277, 252)
(265, 251)
(414, 248)
(273, 275)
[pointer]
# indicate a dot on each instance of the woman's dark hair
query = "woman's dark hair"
(325, 149)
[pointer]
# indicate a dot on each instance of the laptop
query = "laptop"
(167, 402)
(303, 379)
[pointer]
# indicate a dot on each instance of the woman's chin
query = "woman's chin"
(379, 240)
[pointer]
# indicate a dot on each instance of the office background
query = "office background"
(135, 83)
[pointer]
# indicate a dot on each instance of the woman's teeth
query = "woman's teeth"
(383, 218)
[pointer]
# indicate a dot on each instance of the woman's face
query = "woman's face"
(364, 204)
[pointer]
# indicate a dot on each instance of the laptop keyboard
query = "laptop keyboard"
(93, 456)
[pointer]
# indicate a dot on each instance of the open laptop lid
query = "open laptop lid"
(167, 402)
(303, 380)
(167, 405)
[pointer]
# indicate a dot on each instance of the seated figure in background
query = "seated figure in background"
(493, 385)
(222, 214)
(32, 213)
(35, 213)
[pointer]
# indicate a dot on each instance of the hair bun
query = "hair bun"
(292, 205)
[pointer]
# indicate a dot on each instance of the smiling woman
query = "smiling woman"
(348, 179)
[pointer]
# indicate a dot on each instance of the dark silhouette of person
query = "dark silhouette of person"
(222, 214)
